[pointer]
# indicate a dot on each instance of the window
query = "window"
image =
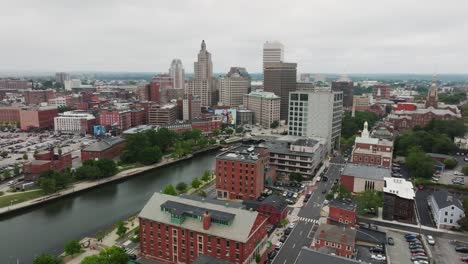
(445, 220)
(191, 234)
(237, 245)
(227, 243)
(183, 232)
(167, 228)
(218, 241)
(451, 221)
(237, 255)
(191, 244)
(446, 213)
(218, 251)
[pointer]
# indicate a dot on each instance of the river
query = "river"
(47, 228)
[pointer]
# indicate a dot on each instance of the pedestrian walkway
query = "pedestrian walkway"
(308, 220)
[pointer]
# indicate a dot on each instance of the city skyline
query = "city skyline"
(338, 38)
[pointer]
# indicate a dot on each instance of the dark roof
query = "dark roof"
(335, 233)
(350, 206)
(275, 201)
(282, 147)
(366, 171)
(213, 201)
(440, 156)
(181, 209)
(203, 259)
(444, 199)
(305, 142)
(370, 235)
(244, 153)
(104, 144)
(251, 204)
(307, 256)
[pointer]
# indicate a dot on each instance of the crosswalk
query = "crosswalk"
(134, 250)
(308, 220)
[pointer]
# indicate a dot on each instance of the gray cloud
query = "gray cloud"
(321, 35)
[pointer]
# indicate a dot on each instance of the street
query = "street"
(309, 214)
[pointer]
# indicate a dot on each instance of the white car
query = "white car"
(457, 173)
(291, 225)
(430, 240)
(278, 245)
(378, 257)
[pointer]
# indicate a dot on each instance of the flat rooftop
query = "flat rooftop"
(244, 153)
(366, 172)
(400, 187)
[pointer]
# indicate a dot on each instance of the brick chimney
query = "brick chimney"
(206, 220)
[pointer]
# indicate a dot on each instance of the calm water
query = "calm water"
(49, 227)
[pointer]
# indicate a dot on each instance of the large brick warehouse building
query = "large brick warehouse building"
(174, 229)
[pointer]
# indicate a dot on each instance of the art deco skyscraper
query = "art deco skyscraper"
(202, 83)
(177, 73)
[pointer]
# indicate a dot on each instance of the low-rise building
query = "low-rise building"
(342, 212)
(460, 142)
(38, 117)
(74, 122)
(357, 178)
(10, 116)
(399, 200)
(336, 239)
(45, 161)
(162, 114)
(295, 155)
(107, 148)
(446, 209)
(372, 151)
(273, 206)
(308, 256)
(121, 119)
(176, 229)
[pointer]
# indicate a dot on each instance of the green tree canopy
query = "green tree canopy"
(52, 181)
(274, 124)
(206, 176)
(420, 164)
(297, 177)
(368, 201)
(111, 255)
(450, 163)
(72, 247)
(47, 259)
(169, 189)
(121, 229)
(181, 187)
(196, 183)
(351, 125)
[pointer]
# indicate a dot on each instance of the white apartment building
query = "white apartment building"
(273, 51)
(446, 209)
(232, 88)
(265, 105)
(74, 122)
(316, 114)
(69, 84)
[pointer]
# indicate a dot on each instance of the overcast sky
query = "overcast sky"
(347, 36)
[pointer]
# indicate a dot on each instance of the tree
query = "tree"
(297, 177)
(107, 167)
(206, 176)
(111, 255)
(93, 260)
(420, 164)
(239, 130)
(216, 132)
(181, 187)
(169, 189)
(258, 258)
(48, 185)
(274, 124)
(25, 156)
(72, 247)
(368, 201)
(88, 172)
(229, 131)
(150, 155)
(52, 181)
(16, 170)
(47, 259)
(450, 163)
(196, 183)
(121, 229)
(465, 170)
(6, 174)
(343, 192)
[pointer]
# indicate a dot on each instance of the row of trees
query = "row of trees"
(452, 98)
(183, 187)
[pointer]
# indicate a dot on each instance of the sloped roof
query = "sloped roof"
(444, 199)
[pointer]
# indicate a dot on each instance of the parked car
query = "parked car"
(378, 257)
(457, 173)
(430, 240)
(417, 250)
(407, 236)
(287, 231)
(132, 256)
(291, 225)
(461, 249)
(272, 254)
(415, 243)
(390, 241)
(418, 254)
(419, 258)
(415, 246)
(464, 258)
(278, 245)
(283, 238)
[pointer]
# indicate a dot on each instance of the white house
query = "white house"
(446, 209)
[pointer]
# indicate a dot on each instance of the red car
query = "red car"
(464, 259)
(418, 254)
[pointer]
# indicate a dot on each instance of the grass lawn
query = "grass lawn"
(19, 197)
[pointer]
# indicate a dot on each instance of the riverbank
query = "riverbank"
(87, 185)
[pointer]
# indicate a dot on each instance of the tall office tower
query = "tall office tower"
(177, 73)
(273, 51)
(233, 86)
(202, 84)
(61, 77)
(280, 78)
(265, 105)
(316, 114)
(347, 87)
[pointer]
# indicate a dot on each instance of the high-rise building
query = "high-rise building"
(265, 105)
(280, 79)
(316, 114)
(61, 77)
(347, 87)
(202, 84)
(177, 73)
(273, 51)
(191, 108)
(233, 87)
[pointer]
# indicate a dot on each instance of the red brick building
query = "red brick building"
(372, 151)
(342, 212)
(274, 207)
(338, 240)
(107, 148)
(36, 97)
(174, 229)
(240, 172)
(403, 120)
(10, 116)
(405, 106)
(121, 119)
(207, 124)
(38, 118)
(357, 178)
(381, 91)
(138, 117)
(45, 161)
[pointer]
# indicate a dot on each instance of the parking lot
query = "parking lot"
(444, 252)
(399, 252)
